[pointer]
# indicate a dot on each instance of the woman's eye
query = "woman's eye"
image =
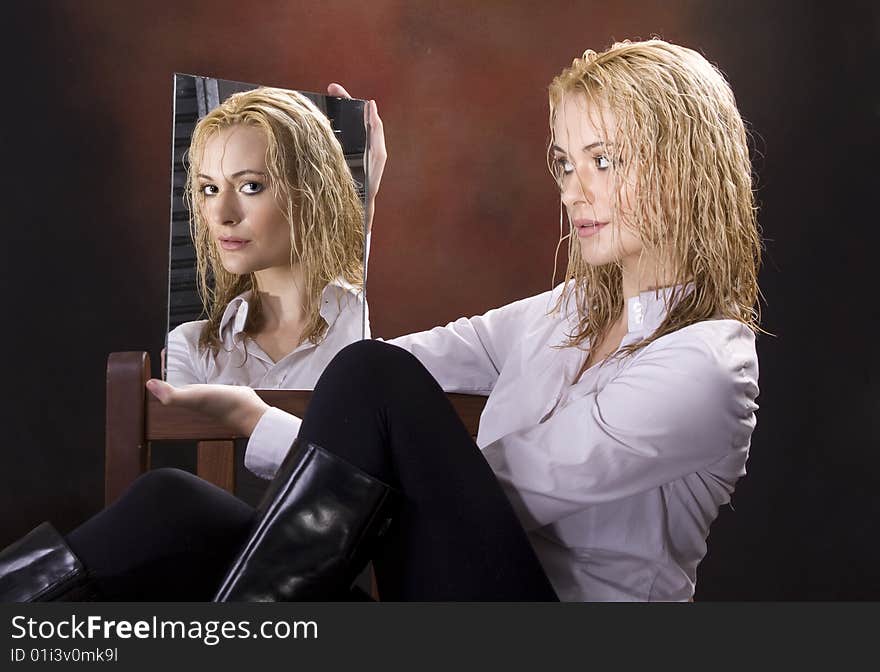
(603, 162)
(251, 188)
(564, 166)
(208, 189)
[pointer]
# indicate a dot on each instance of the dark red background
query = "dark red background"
(467, 220)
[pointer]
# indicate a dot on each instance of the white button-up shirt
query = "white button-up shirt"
(616, 477)
(241, 361)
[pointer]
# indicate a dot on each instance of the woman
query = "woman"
(620, 410)
(278, 229)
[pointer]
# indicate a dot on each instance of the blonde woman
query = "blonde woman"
(278, 229)
(621, 403)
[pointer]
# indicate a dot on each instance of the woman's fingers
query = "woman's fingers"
(236, 405)
(161, 390)
(212, 399)
(337, 90)
(378, 150)
(371, 116)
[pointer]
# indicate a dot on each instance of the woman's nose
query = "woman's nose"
(577, 189)
(223, 209)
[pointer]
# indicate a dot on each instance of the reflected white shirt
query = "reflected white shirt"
(241, 361)
(617, 477)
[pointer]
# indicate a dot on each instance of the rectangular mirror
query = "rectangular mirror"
(268, 237)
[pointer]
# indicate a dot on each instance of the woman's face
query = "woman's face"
(583, 160)
(246, 222)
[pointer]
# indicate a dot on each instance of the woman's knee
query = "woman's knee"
(182, 499)
(157, 485)
(167, 490)
(374, 364)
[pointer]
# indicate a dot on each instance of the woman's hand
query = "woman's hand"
(378, 152)
(235, 405)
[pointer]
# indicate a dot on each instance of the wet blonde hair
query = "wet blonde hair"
(681, 143)
(312, 183)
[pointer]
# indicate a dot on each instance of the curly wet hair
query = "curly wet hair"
(314, 187)
(682, 144)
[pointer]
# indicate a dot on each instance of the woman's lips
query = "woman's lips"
(232, 243)
(588, 227)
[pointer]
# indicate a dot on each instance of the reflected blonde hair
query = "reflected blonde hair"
(314, 187)
(682, 145)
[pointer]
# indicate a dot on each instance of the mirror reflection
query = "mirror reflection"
(268, 236)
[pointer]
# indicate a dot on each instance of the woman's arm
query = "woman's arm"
(378, 154)
(270, 429)
(467, 355)
(684, 404)
(237, 406)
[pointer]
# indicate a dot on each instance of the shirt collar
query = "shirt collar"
(645, 312)
(335, 296)
(333, 299)
(236, 313)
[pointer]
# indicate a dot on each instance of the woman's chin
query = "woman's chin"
(594, 258)
(236, 269)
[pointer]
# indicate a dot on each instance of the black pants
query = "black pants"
(172, 535)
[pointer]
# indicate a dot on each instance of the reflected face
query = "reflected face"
(583, 161)
(245, 220)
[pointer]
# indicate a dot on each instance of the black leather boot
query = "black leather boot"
(40, 567)
(316, 528)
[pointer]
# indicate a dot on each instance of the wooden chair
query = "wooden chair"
(135, 419)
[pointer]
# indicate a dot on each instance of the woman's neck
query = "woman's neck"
(641, 275)
(282, 297)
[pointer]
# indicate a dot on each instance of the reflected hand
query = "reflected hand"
(378, 152)
(237, 406)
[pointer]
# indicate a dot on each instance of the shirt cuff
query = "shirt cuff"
(270, 442)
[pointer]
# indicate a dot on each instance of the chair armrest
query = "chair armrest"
(134, 418)
(126, 450)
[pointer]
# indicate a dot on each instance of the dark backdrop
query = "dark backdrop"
(467, 220)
